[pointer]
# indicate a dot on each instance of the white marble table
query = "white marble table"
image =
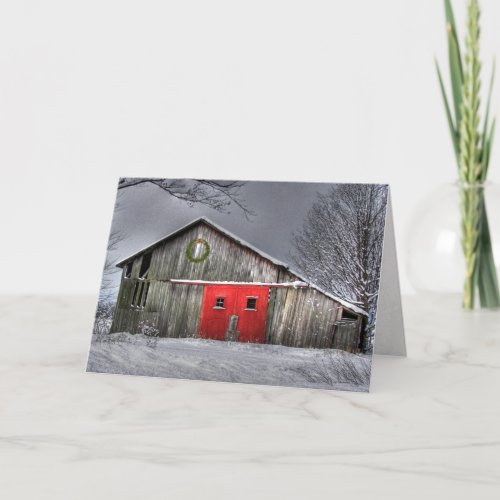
(429, 429)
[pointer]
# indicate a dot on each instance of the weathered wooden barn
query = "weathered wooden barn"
(202, 281)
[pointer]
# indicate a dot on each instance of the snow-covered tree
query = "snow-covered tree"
(109, 283)
(339, 246)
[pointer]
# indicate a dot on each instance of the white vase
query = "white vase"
(435, 256)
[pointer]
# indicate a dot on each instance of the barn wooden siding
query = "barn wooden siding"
(297, 317)
(305, 317)
(178, 306)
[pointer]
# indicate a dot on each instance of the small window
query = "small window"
(140, 296)
(145, 265)
(219, 302)
(348, 314)
(128, 269)
(144, 295)
(251, 303)
(137, 293)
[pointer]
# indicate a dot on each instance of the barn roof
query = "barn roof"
(244, 243)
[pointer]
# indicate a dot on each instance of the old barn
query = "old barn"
(203, 281)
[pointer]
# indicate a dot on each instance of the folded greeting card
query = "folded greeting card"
(275, 283)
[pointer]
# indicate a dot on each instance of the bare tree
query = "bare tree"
(109, 285)
(219, 195)
(109, 282)
(339, 246)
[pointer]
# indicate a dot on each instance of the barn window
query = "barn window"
(137, 293)
(252, 303)
(128, 269)
(348, 314)
(219, 302)
(140, 296)
(144, 295)
(145, 265)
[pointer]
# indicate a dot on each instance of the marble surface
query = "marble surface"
(430, 428)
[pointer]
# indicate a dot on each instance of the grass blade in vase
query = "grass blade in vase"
(473, 150)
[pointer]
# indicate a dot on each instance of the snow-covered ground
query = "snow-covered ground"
(228, 362)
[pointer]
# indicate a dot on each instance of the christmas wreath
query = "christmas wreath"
(192, 245)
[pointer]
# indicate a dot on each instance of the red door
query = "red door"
(249, 303)
(218, 304)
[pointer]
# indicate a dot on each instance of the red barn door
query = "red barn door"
(218, 304)
(247, 302)
(251, 307)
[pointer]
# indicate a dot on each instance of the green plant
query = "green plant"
(472, 145)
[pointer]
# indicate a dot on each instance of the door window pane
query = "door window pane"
(251, 303)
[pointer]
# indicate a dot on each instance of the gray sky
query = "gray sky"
(147, 213)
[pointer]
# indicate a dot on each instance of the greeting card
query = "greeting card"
(275, 283)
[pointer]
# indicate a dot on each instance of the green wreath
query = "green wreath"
(203, 256)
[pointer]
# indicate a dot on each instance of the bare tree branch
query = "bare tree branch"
(218, 195)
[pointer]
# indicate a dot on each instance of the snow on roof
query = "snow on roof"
(346, 304)
(244, 243)
(284, 284)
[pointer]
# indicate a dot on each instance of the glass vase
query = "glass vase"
(453, 244)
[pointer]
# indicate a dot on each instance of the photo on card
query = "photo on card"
(272, 283)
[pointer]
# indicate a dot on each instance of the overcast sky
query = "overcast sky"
(147, 213)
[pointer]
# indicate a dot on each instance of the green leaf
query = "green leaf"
(450, 17)
(455, 60)
(451, 125)
(488, 148)
(489, 293)
(456, 74)
(484, 137)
